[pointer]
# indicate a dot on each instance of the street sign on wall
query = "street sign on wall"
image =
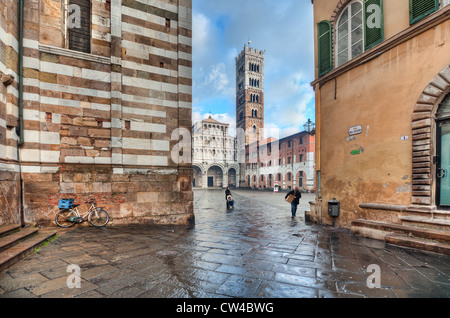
(355, 130)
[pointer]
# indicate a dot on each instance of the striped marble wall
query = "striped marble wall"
(99, 124)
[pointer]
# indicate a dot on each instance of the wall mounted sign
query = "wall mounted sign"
(355, 130)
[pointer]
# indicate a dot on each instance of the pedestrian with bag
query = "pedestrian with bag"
(293, 197)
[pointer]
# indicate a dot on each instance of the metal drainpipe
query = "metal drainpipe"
(20, 129)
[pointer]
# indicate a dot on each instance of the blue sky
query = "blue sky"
(284, 29)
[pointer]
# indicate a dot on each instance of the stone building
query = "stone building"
(382, 95)
(284, 163)
(214, 155)
(250, 93)
(93, 93)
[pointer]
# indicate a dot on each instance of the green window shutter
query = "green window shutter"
(325, 47)
(373, 23)
(419, 9)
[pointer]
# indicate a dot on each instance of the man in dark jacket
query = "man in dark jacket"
(296, 201)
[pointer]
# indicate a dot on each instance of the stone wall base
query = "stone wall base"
(131, 196)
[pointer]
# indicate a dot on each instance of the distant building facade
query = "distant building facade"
(286, 163)
(88, 110)
(215, 160)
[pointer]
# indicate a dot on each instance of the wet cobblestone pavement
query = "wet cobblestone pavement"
(254, 251)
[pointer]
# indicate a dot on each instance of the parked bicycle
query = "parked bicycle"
(69, 215)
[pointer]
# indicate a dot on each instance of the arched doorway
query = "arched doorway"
(429, 139)
(198, 177)
(443, 154)
(232, 177)
(215, 177)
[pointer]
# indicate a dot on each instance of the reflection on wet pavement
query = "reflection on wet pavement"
(255, 250)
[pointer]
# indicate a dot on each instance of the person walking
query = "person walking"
(228, 194)
(297, 195)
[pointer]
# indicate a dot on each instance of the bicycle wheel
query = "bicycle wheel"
(63, 218)
(99, 218)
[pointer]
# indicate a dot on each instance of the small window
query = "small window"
(79, 25)
(167, 23)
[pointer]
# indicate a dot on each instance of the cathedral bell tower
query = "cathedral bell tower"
(250, 93)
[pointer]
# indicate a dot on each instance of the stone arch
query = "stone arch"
(232, 176)
(423, 139)
(198, 172)
(337, 11)
(216, 172)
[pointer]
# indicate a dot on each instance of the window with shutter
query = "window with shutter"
(360, 27)
(325, 47)
(79, 36)
(374, 23)
(350, 33)
(418, 9)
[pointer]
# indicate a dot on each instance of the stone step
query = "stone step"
(7, 229)
(379, 230)
(20, 248)
(15, 237)
(418, 243)
(426, 222)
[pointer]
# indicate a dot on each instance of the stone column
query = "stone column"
(225, 180)
(205, 180)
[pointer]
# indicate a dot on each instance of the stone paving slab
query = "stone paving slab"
(254, 251)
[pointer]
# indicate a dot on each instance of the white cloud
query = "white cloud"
(284, 29)
(217, 80)
(201, 27)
